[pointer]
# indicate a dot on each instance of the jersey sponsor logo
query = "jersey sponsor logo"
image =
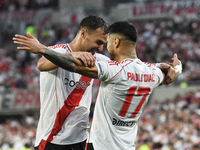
(140, 77)
(117, 122)
(78, 84)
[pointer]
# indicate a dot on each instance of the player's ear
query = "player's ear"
(117, 42)
(83, 32)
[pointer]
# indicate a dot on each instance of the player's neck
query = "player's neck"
(126, 57)
(126, 53)
(74, 46)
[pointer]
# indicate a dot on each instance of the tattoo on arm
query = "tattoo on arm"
(61, 60)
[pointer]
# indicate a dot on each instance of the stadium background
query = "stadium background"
(171, 119)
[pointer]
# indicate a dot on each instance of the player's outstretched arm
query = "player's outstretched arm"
(44, 64)
(68, 62)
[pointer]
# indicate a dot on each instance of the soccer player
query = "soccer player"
(66, 97)
(126, 85)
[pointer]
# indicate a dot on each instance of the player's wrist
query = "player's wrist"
(44, 49)
(178, 68)
(158, 65)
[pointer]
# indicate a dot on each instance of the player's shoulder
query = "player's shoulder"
(142, 66)
(100, 57)
(62, 48)
(149, 64)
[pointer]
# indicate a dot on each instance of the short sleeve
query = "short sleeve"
(158, 75)
(100, 57)
(59, 50)
(107, 71)
(102, 70)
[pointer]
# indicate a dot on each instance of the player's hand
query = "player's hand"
(29, 43)
(169, 72)
(87, 58)
(173, 72)
(164, 67)
(171, 75)
(176, 61)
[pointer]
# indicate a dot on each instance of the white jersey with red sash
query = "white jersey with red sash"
(65, 99)
(122, 95)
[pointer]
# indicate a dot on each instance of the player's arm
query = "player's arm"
(70, 63)
(44, 64)
(163, 81)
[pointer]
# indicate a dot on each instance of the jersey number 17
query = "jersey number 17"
(142, 91)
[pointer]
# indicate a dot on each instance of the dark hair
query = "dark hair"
(124, 28)
(93, 22)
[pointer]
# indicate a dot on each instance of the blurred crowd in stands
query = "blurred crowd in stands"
(170, 125)
(18, 134)
(26, 4)
(19, 72)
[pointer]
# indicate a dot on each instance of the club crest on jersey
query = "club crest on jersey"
(117, 122)
(78, 84)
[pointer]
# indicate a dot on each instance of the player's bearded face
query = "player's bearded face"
(95, 41)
